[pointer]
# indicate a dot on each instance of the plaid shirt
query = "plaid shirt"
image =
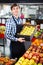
(11, 28)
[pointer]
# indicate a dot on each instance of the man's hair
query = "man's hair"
(14, 5)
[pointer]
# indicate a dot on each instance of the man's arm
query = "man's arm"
(9, 33)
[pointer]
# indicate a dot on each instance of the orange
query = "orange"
(38, 42)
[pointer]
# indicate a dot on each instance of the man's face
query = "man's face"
(15, 10)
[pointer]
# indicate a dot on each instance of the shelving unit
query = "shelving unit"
(2, 38)
(3, 45)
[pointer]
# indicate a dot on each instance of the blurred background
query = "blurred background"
(28, 12)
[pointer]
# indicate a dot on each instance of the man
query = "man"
(13, 26)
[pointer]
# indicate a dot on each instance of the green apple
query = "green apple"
(39, 64)
(17, 63)
(26, 61)
(35, 63)
(31, 62)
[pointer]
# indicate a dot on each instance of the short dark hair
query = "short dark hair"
(14, 5)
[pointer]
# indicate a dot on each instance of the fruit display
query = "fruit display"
(20, 61)
(38, 33)
(2, 29)
(27, 30)
(27, 23)
(6, 61)
(38, 42)
(33, 56)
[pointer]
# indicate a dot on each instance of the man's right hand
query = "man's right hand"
(21, 40)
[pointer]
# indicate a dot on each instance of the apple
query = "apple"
(21, 59)
(41, 55)
(9, 63)
(39, 64)
(25, 55)
(41, 50)
(41, 60)
(20, 62)
(17, 63)
(30, 56)
(37, 60)
(34, 57)
(31, 62)
(38, 50)
(35, 63)
(31, 48)
(36, 54)
(26, 61)
(27, 52)
(1, 62)
(33, 52)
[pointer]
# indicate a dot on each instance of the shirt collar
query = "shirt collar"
(16, 19)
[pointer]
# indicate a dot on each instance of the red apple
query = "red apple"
(25, 55)
(37, 60)
(34, 57)
(41, 50)
(30, 56)
(38, 50)
(27, 52)
(31, 48)
(41, 55)
(36, 54)
(41, 60)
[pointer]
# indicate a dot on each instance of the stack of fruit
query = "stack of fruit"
(2, 29)
(6, 61)
(37, 42)
(33, 56)
(27, 30)
(38, 33)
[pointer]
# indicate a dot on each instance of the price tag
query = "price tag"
(24, 21)
(32, 22)
(41, 26)
(3, 21)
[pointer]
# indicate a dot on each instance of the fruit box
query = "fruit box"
(27, 29)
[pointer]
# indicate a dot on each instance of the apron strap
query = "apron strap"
(14, 20)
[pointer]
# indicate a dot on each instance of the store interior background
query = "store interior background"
(31, 10)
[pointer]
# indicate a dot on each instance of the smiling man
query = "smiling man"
(13, 26)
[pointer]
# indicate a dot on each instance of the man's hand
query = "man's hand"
(21, 40)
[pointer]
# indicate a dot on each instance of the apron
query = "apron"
(17, 49)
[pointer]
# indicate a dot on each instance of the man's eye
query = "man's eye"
(14, 8)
